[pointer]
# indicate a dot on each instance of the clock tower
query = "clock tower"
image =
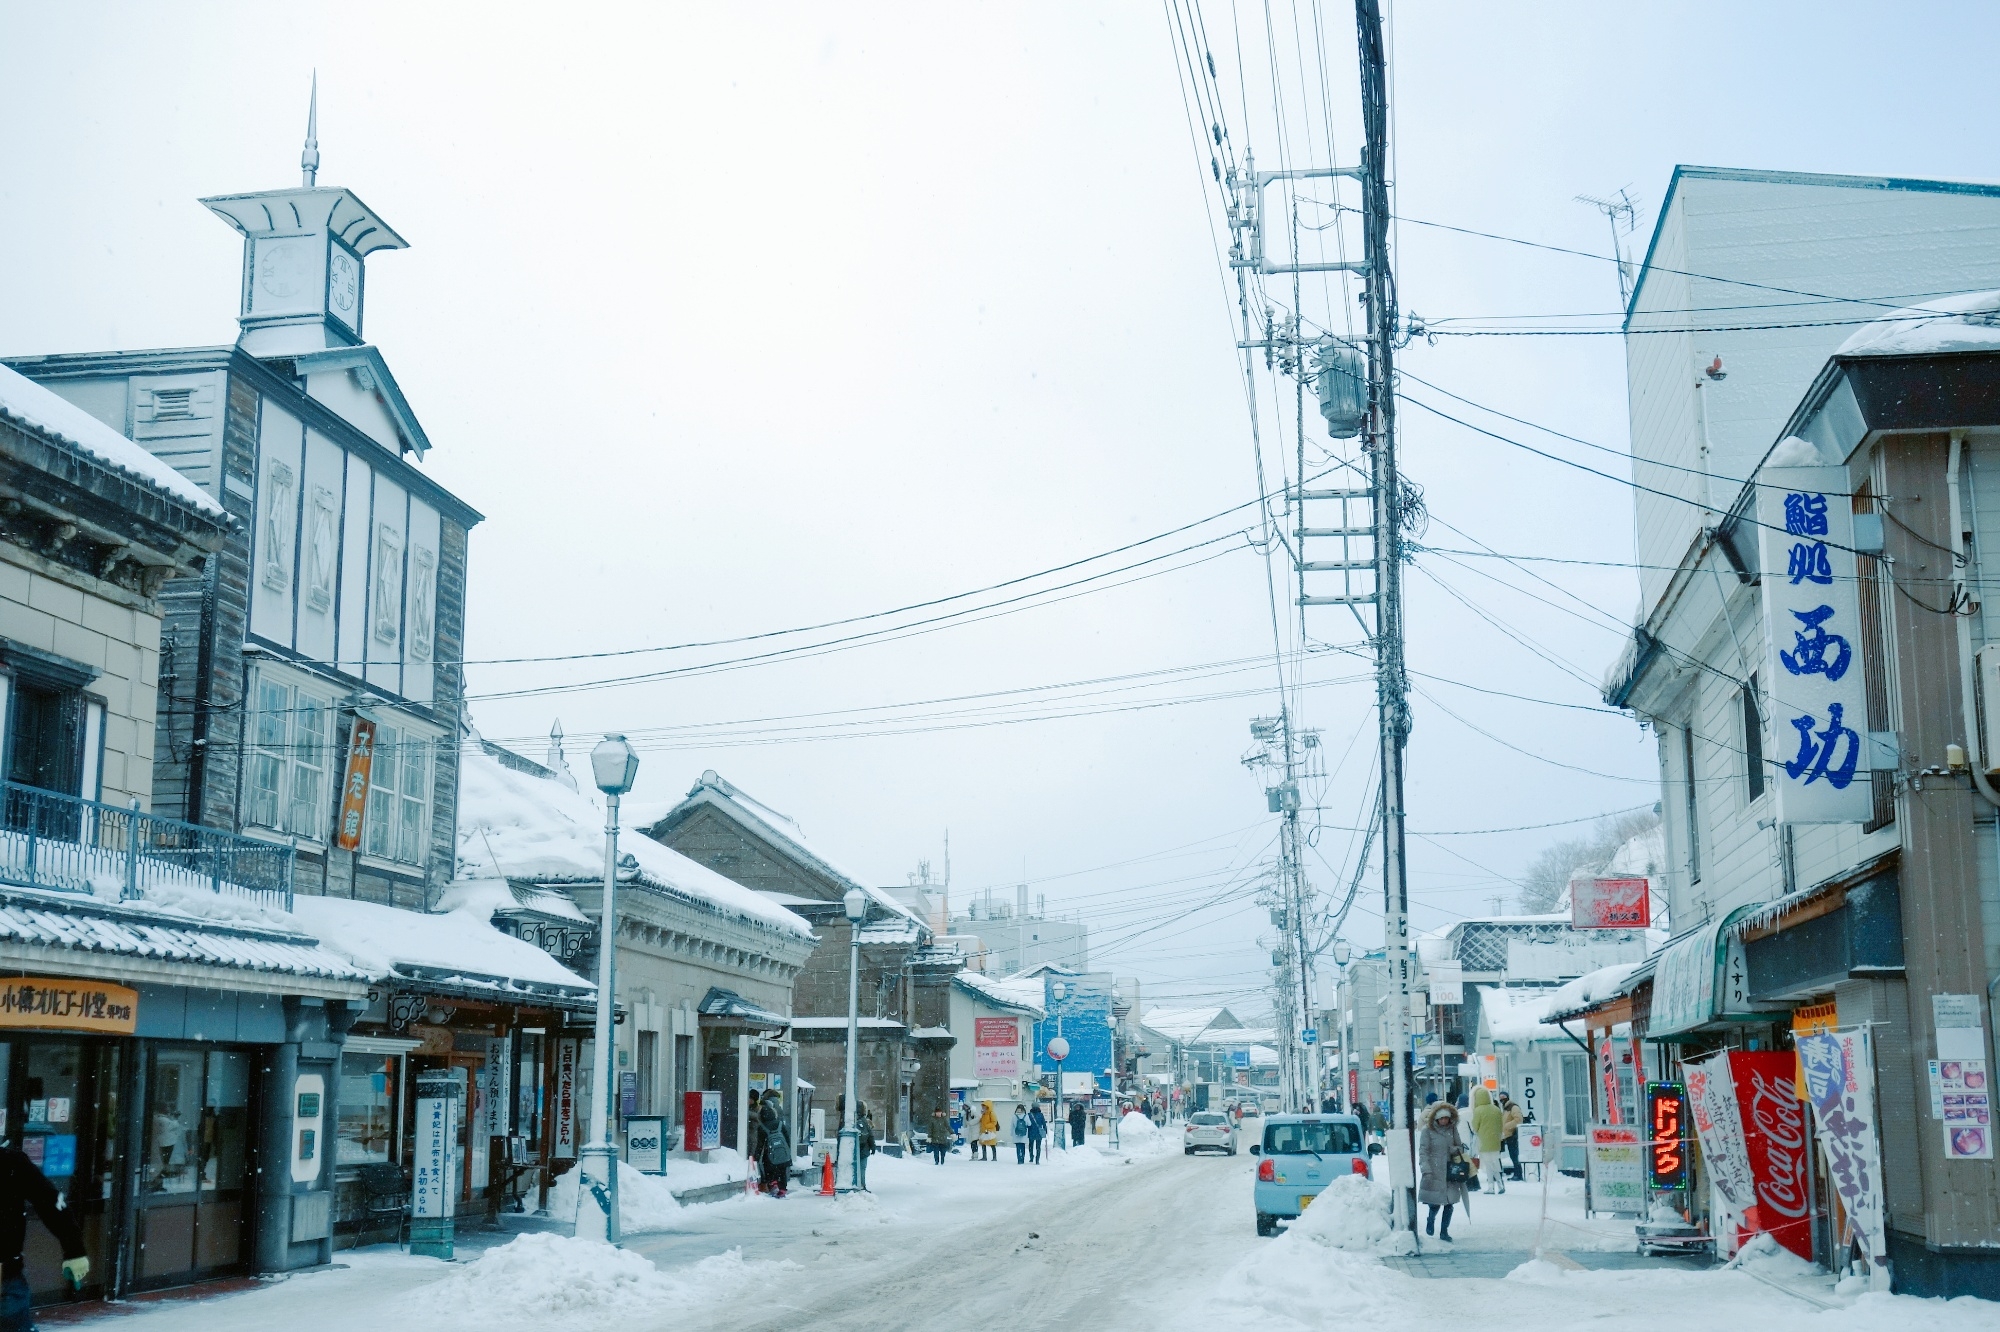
(303, 255)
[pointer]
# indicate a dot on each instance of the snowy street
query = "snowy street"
(1146, 1238)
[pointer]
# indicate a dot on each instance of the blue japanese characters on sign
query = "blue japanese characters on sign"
(1815, 710)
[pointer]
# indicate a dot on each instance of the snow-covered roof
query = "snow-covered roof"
(1263, 1056)
(895, 930)
(49, 413)
(1515, 1016)
(522, 827)
(1021, 993)
(459, 947)
(721, 1003)
(1593, 988)
(834, 1023)
(1187, 1025)
(1969, 321)
(252, 940)
(784, 831)
(1237, 1038)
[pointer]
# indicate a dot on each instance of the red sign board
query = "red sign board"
(354, 784)
(1774, 1132)
(1610, 904)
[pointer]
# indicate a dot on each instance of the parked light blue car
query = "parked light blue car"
(1303, 1154)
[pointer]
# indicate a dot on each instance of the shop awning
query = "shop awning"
(1703, 977)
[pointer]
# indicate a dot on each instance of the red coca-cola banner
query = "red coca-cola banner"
(1774, 1132)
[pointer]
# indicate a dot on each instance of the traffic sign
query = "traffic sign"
(1311, 1035)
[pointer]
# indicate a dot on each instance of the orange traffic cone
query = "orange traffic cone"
(826, 1176)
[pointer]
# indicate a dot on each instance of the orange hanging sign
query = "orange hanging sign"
(354, 785)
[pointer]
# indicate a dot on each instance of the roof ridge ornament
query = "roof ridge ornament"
(309, 159)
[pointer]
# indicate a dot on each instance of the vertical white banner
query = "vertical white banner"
(1840, 1085)
(563, 1093)
(435, 1159)
(1815, 703)
(496, 1084)
(1718, 1126)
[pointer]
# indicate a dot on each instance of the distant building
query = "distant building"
(1013, 938)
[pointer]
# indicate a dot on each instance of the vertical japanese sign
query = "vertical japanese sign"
(996, 1044)
(434, 1163)
(1811, 1020)
(1607, 1074)
(1719, 1129)
(496, 1088)
(564, 1089)
(1666, 1123)
(1774, 1131)
(1840, 1086)
(1817, 709)
(354, 784)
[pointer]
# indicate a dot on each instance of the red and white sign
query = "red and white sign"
(1610, 904)
(996, 1047)
(701, 1121)
(1774, 1132)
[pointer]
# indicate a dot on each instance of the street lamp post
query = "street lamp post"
(1059, 1051)
(1341, 952)
(848, 1161)
(613, 764)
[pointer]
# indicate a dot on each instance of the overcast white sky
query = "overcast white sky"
(739, 319)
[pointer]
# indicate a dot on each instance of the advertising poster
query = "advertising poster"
(1774, 1134)
(996, 1048)
(1840, 1087)
(1615, 1155)
(434, 1150)
(1966, 1097)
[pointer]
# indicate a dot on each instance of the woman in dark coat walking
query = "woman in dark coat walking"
(1442, 1165)
(1038, 1128)
(777, 1145)
(940, 1134)
(1076, 1123)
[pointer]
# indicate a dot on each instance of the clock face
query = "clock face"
(287, 275)
(343, 287)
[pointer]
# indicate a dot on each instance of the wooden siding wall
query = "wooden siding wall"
(1942, 930)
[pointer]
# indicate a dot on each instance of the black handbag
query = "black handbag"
(1457, 1169)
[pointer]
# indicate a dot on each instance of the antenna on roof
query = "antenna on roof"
(1620, 210)
(309, 159)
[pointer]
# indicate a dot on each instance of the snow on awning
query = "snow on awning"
(456, 949)
(728, 1008)
(1703, 977)
(71, 921)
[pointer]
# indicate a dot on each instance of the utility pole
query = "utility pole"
(1391, 683)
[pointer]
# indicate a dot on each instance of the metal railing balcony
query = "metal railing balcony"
(55, 841)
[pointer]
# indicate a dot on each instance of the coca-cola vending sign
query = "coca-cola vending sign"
(1774, 1135)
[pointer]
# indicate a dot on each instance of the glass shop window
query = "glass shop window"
(367, 1102)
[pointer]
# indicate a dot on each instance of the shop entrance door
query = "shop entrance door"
(195, 1167)
(61, 1108)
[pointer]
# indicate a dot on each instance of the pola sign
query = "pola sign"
(1815, 705)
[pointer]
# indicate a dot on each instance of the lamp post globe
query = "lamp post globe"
(1058, 1049)
(847, 1157)
(614, 765)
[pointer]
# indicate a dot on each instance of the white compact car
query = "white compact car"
(1209, 1131)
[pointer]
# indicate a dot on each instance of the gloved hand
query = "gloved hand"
(76, 1271)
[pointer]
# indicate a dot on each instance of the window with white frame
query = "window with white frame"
(291, 755)
(399, 794)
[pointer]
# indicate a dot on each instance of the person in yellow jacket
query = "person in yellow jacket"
(1487, 1130)
(989, 1132)
(1511, 1119)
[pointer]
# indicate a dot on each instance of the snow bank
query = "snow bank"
(1351, 1213)
(543, 1281)
(645, 1202)
(1766, 1257)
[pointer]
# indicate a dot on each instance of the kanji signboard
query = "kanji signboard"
(1610, 904)
(68, 1005)
(354, 784)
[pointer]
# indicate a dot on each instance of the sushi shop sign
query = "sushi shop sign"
(48, 1004)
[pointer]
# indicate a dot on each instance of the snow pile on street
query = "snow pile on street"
(1766, 1257)
(724, 1166)
(1351, 1213)
(543, 1281)
(645, 1202)
(1140, 1137)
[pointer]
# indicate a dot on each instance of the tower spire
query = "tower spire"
(309, 159)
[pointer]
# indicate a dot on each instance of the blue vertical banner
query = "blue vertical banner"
(1815, 702)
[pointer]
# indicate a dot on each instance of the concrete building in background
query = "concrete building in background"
(1014, 937)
